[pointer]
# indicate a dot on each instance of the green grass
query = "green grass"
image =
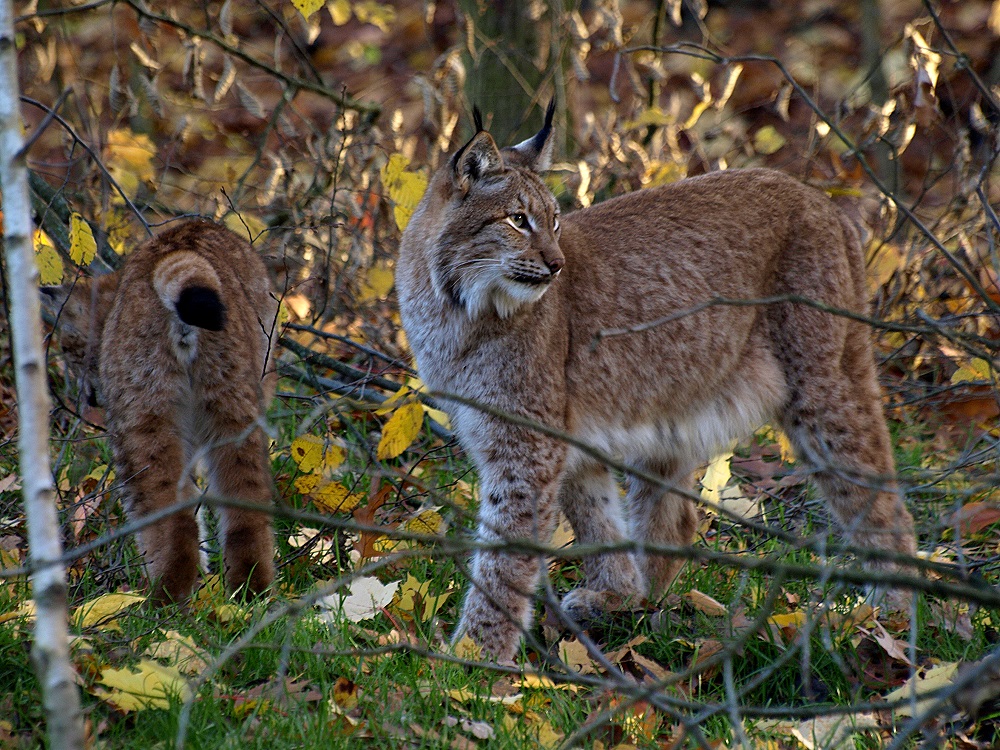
(417, 695)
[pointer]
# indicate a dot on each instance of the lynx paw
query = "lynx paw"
(585, 605)
(497, 633)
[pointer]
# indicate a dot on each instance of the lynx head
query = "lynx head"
(496, 244)
(77, 311)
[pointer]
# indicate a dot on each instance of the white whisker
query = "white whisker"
(475, 263)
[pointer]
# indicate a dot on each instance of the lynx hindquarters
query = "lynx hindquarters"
(503, 301)
(178, 347)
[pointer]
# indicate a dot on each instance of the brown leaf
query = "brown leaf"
(704, 603)
(972, 518)
(345, 694)
(365, 516)
(897, 649)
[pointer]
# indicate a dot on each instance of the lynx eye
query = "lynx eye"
(555, 224)
(519, 221)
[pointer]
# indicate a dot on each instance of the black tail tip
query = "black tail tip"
(201, 307)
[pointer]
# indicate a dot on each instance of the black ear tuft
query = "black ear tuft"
(201, 307)
(550, 112)
(539, 140)
(536, 152)
(477, 119)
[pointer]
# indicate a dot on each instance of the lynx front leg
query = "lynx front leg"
(589, 498)
(518, 502)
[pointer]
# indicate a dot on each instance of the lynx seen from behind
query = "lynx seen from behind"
(503, 299)
(177, 346)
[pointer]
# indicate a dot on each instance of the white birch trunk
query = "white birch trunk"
(51, 647)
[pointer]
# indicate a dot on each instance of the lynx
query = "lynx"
(503, 300)
(177, 346)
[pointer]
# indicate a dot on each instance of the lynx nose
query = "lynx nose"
(555, 264)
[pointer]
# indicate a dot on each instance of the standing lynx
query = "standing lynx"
(502, 300)
(177, 346)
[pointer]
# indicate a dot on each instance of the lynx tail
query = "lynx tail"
(188, 285)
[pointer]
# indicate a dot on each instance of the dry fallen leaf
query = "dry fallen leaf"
(400, 431)
(100, 612)
(148, 685)
(896, 648)
(923, 682)
(365, 599)
(179, 651)
(704, 603)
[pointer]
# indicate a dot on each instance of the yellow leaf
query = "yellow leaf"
(333, 497)
(785, 446)
(129, 160)
(150, 685)
(654, 116)
(462, 695)
(696, 113)
(663, 173)
(24, 613)
(438, 416)
(307, 7)
(384, 545)
(466, 648)
(246, 225)
(50, 266)
(119, 231)
(311, 453)
(767, 140)
(548, 737)
(377, 284)
(100, 612)
(229, 612)
(179, 651)
(530, 680)
(428, 522)
(340, 11)
(412, 592)
(717, 476)
(400, 431)
(791, 620)
(405, 188)
(885, 261)
(82, 245)
(976, 370)
(397, 398)
(305, 484)
(923, 682)
(377, 14)
(345, 694)
(307, 452)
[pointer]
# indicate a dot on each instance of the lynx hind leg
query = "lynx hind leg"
(660, 517)
(590, 499)
(835, 422)
(239, 470)
(150, 459)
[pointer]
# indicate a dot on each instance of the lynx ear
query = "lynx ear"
(536, 152)
(478, 158)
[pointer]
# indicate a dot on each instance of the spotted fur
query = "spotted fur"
(503, 305)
